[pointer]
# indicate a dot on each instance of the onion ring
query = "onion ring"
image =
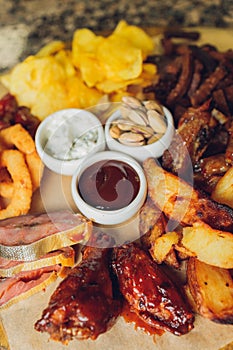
(20, 202)
(17, 136)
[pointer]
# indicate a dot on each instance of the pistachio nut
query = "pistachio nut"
(141, 123)
(156, 121)
(131, 139)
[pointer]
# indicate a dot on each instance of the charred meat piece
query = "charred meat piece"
(190, 74)
(185, 79)
(11, 113)
(229, 149)
(220, 100)
(196, 78)
(191, 35)
(149, 291)
(210, 170)
(190, 140)
(84, 305)
(205, 89)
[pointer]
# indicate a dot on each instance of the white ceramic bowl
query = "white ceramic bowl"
(109, 217)
(71, 121)
(140, 153)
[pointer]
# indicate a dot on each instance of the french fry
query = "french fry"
(211, 289)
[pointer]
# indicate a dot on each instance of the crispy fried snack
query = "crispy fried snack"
(35, 167)
(20, 202)
(211, 246)
(223, 191)
(152, 228)
(151, 223)
(164, 249)
(212, 290)
(181, 202)
(21, 170)
(17, 136)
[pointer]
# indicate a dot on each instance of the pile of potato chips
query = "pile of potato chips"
(58, 77)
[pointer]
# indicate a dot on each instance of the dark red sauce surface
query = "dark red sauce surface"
(109, 185)
(131, 317)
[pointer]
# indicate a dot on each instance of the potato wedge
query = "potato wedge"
(172, 195)
(152, 227)
(223, 191)
(212, 290)
(164, 245)
(211, 246)
(179, 201)
(151, 223)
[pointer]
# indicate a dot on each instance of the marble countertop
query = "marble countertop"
(26, 25)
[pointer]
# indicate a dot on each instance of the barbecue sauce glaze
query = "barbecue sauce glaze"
(109, 185)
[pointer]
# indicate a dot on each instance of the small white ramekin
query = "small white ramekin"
(109, 217)
(85, 120)
(140, 153)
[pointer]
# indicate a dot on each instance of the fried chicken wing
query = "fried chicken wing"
(84, 305)
(149, 291)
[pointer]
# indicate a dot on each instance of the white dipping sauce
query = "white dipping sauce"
(68, 138)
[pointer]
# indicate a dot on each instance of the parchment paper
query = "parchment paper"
(19, 319)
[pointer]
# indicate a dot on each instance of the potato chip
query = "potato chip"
(28, 77)
(51, 48)
(84, 42)
(91, 71)
(57, 77)
(109, 86)
(79, 95)
(64, 57)
(117, 95)
(136, 36)
(119, 59)
(49, 99)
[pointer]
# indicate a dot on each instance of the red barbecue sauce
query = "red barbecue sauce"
(109, 184)
(131, 317)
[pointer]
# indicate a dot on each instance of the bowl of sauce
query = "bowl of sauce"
(66, 137)
(109, 187)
